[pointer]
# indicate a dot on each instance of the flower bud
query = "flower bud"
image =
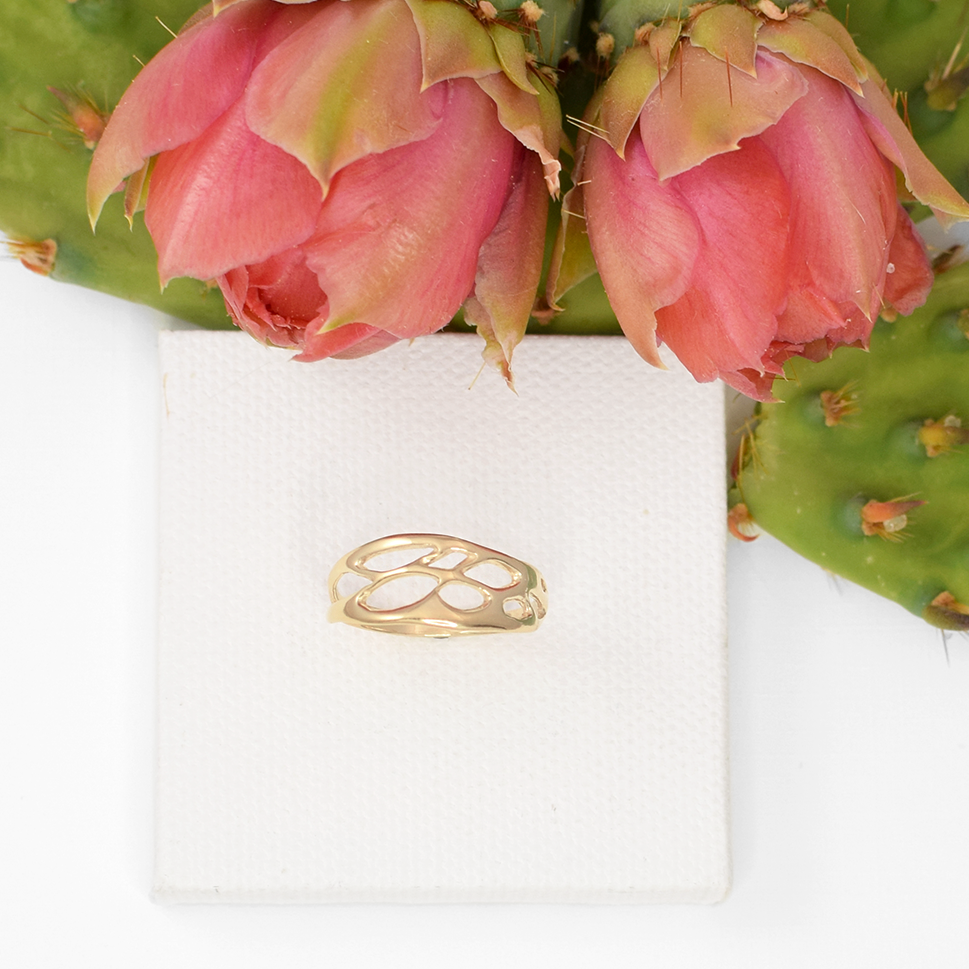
(736, 190)
(349, 173)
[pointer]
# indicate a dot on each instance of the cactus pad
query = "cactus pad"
(863, 464)
(62, 64)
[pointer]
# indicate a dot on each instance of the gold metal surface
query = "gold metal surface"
(517, 604)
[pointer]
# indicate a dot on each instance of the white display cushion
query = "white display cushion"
(301, 761)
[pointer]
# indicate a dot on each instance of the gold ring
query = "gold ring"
(436, 586)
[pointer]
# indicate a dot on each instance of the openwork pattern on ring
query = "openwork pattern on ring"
(472, 589)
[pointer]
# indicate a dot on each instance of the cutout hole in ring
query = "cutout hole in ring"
(536, 605)
(517, 608)
(396, 558)
(398, 592)
(493, 574)
(459, 595)
(450, 561)
(350, 583)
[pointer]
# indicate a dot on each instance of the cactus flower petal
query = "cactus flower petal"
(394, 260)
(909, 275)
(808, 316)
(227, 197)
(730, 34)
(645, 238)
(211, 62)
(219, 5)
(448, 48)
(510, 264)
(713, 115)
(726, 319)
(633, 79)
(821, 134)
(277, 298)
(534, 120)
(344, 86)
(282, 303)
(801, 41)
(893, 139)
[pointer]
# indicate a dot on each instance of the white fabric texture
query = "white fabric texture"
(302, 761)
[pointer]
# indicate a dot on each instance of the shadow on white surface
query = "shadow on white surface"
(849, 730)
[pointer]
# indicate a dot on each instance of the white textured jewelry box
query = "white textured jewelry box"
(306, 762)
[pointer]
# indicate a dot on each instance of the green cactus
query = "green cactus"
(87, 52)
(863, 465)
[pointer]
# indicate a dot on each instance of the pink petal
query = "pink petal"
(279, 301)
(846, 326)
(895, 142)
(844, 209)
(227, 199)
(346, 85)
(751, 383)
(287, 289)
(727, 319)
(696, 113)
(854, 333)
(399, 234)
(347, 343)
(276, 300)
(645, 239)
(535, 119)
(758, 384)
(180, 92)
(285, 22)
(510, 264)
(807, 316)
(220, 5)
(802, 41)
(907, 285)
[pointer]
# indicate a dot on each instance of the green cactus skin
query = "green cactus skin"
(805, 482)
(90, 46)
(557, 29)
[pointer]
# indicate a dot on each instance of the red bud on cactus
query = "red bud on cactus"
(350, 173)
(735, 188)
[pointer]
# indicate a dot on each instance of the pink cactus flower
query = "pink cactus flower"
(740, 198)
(349, 173)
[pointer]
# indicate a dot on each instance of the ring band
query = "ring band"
(475, 589)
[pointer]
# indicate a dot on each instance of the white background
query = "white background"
(850, 718)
